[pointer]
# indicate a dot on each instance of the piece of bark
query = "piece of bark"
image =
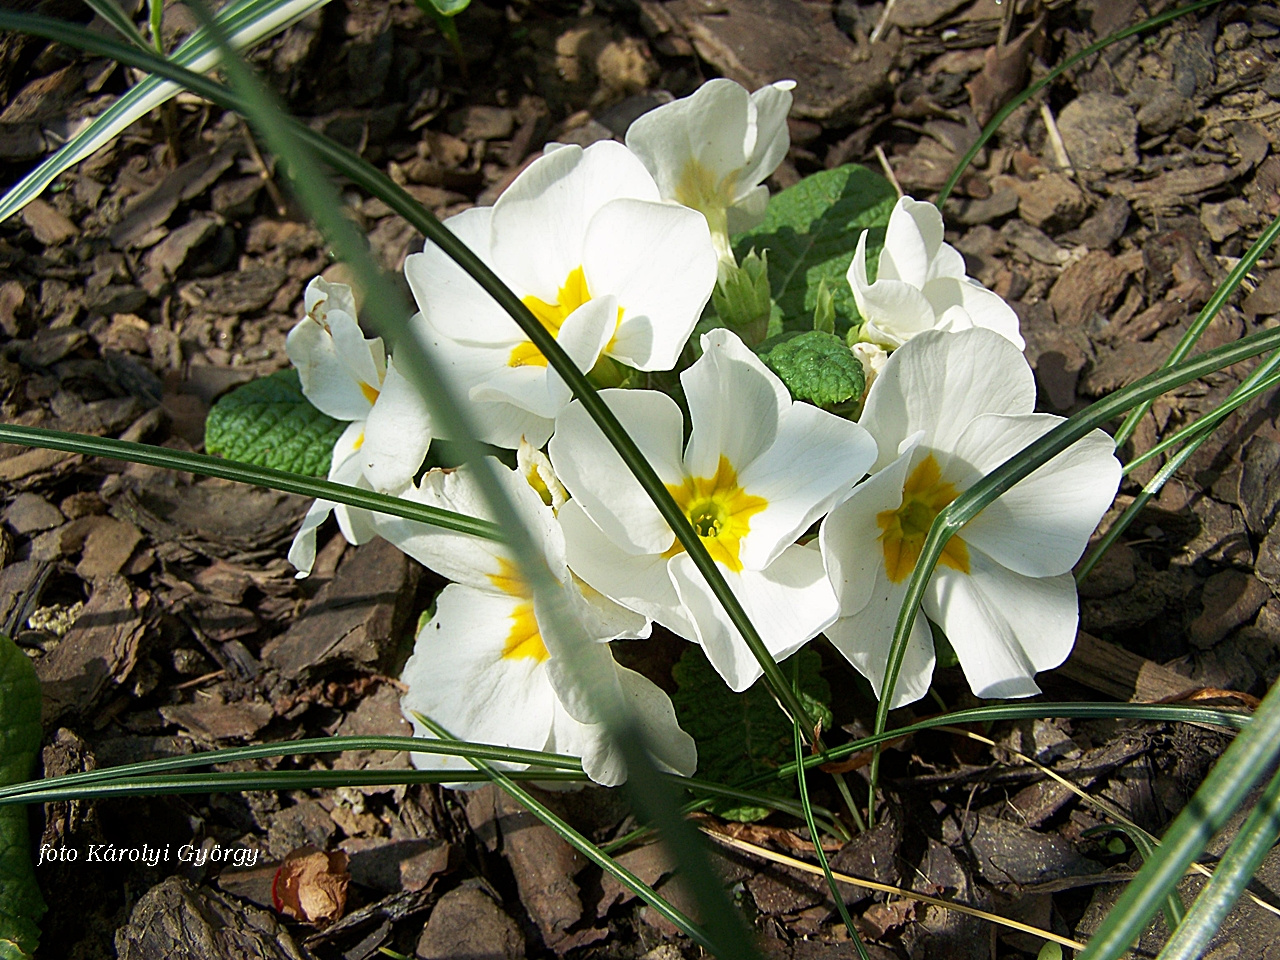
(354, 619)
(1112, 670)
(101, 648)
(467, 923)
(179, 921)
(544, 867)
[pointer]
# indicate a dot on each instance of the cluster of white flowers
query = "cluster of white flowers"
(615, 250)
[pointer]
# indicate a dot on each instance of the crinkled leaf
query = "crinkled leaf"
(740, 735)
(811, 230)
(270, 423)
(818, 367)
(21, 905)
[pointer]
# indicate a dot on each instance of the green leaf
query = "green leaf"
(21, 905)
(741, 735)
(270, 423)
(818, 367)
(811, 231)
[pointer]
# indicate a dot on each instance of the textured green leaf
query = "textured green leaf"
(740, 735)
(270, 423)
(21, 905)
(811, 231)
(818, 367)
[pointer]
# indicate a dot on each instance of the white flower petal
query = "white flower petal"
(1003, 626)
(455, 304)
(459, 678)
(363, 358)
(749, 212)
(321, 296)
(789, 603)
(397, 433)
(1040, 527)
(850, 536)
(708, 128)
(911, 240)
(638, 582)
(833, 455)
(938, 382)
(657, 259)
(600, 482)
(585, 678)
(735, 403)
(670, 747)
(466, 367)
(302, 552)
(772, 139)
(325, 379)
(540, 221)
(866, 636)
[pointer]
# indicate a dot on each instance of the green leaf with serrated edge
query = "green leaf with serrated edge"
(818, 367)
(21, 905)
(740, 735)
(811, 230)
(270, 423)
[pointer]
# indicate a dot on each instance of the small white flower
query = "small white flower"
(873, 357)
(921, 284)
(487, 668)
(349, 377)
(713, 150)
(757, 471)
(946, 410)
(583, 238)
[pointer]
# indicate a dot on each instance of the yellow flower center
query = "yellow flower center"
(720, 512)
(523, 641)
(370, 392)
(573, 293)
(924, 496)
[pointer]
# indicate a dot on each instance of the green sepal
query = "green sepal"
(269, 423)
(740, 735)
(818, 367)
(21, 905)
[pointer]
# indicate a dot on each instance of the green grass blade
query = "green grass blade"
(113, 13)
(816, 837)
(247, 473)
(367, 177)
(967, 506)
(1251, 756)
(294, 748)
(648, 789)
(1205, 317)
(247, 22)
(1003, 113)
(1258, 834)
(590, 850)
(237, 781)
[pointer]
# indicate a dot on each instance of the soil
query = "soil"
(163, 618)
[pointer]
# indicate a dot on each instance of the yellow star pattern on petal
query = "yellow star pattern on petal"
(903, 530)
(720, 512)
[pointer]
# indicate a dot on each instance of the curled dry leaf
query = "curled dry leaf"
(311, 886)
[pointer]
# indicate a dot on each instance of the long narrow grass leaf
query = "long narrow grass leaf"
(649, 792)
(1205, 317)
(821, 854)
(246, 21)
(1251, 756)
(297, 748)
(113, 13)
(1004, 112)
(1258, 834)
(403, 204)
(247, 473)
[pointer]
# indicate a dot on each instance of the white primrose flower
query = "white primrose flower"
(349, 377)
(584, 240)
(757, 471)
(713, 150)
(488, 668)
(921, 283)
(946, 410)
